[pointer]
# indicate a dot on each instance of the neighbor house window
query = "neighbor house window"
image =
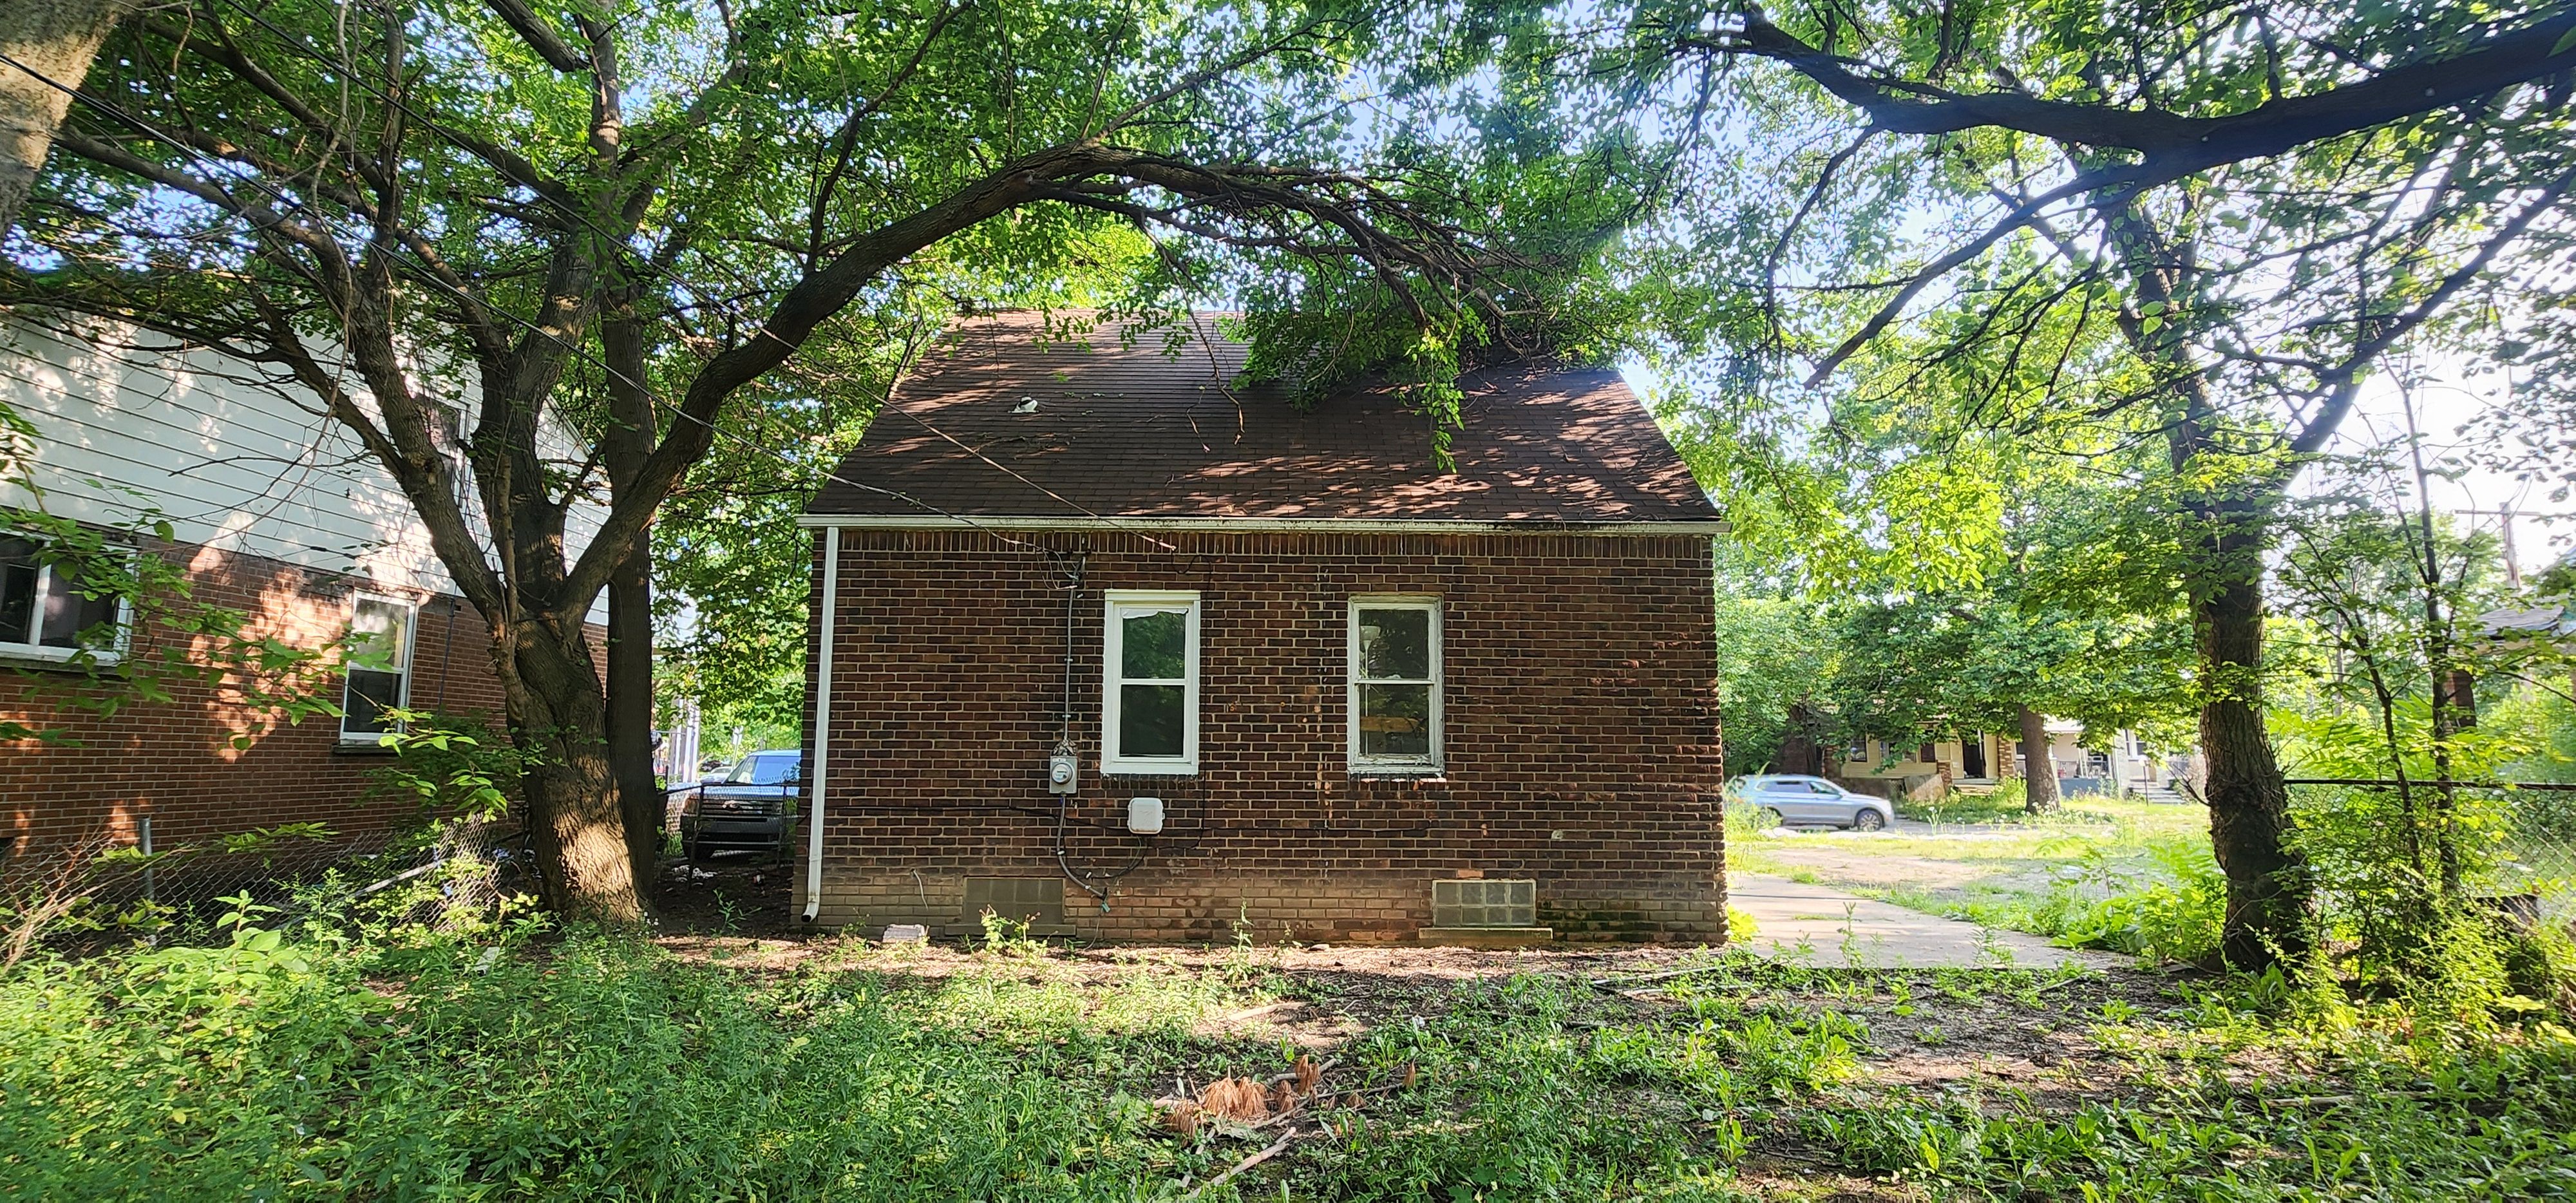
(1150, 688)
(1395, 685)
(380, 631)
(45, 613)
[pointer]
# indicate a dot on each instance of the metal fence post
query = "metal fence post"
(151, 895)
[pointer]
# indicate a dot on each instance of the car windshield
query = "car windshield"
(762, 770)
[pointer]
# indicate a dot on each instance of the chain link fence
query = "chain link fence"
(2510, 844)
(2538, 851)
(103, 887)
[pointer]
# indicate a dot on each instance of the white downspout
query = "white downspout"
(822, 723)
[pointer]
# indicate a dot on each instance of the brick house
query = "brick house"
(1103, 640)
(275, 513)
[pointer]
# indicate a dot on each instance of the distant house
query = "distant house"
(2546, 627)
(1971, 762)
(1110, 642)
(278, 514)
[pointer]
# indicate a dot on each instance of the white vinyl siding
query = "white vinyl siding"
(1394, 691)
(235, 457)
(1149, 690)
(379, 674)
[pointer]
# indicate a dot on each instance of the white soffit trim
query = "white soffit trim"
(1370, 526)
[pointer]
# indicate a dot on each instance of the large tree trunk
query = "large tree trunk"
(624, 447)
(56, 39)
(2268, 894)
(2249, 806)
(2039, 772)
(558, 713)
(630, 711)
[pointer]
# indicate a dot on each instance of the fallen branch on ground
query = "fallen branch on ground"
(1245, 1164)
(1618, 985)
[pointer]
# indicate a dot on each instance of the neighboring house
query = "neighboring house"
(276, 513)
(2546, 628)
(1097, 619)
(1930, 770)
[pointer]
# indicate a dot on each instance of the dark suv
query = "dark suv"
(746, 808)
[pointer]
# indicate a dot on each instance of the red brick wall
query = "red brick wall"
(176, 761)
(1582, 742)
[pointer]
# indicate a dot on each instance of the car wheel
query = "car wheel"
(1869, 819)
(1774, 813)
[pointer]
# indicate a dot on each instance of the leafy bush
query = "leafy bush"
(451, 765)
(2169, 908)
(2389, 925)
(2007, 803)
(2158, 899)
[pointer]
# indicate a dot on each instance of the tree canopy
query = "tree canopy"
(2167, 243)
(543, 263)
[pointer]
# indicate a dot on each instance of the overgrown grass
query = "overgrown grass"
(2376, 1105)
(601, 1066)
(592, 1067)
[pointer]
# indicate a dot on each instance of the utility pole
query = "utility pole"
(2512, 565)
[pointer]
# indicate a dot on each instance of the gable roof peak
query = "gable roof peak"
(1135, 420)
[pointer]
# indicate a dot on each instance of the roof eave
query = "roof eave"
(1374, 526)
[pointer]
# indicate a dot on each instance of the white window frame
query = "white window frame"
(1431, 764)
(1117, 602)
(411, 649)
(113, 653)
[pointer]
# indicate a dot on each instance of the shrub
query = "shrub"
(2171, 907)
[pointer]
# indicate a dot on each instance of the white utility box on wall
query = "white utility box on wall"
(1145, 816)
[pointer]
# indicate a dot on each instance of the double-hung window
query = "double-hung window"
(45, 611)
(1150, 684)
(380, 636)
(1395, 685)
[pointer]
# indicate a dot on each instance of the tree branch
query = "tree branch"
(2343, 380)
(539, 36)
(2173, 144)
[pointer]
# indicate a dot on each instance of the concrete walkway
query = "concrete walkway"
(1829, 927)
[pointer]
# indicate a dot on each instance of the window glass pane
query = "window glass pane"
(379, 652)
(17, 590)
(1149, 720)
(67, 613)
(370, 695)
(1152, 646)
(1395, 720)
(772, 770)
(1395, 644)
(377, 631)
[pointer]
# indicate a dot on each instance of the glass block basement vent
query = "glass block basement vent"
(1484, 902)
(1037, 901)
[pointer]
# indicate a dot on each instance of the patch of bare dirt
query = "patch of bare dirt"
(1925, 1032)
(1843, 867)
(730, 895)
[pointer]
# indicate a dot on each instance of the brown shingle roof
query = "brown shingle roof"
(1135, 431)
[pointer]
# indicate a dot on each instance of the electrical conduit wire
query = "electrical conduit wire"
(1074, 569)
